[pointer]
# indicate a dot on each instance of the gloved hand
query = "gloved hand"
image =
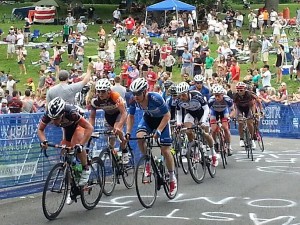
(44, 144)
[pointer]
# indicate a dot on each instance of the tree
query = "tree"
(272, 4)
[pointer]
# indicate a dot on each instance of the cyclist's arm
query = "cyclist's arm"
(88, 130)
(179, 115)
(166, 118)
(92, 117)
(130, 121)
(41, 131)
(205, 113)
(123, 113)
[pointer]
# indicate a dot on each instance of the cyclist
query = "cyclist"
(155, 120)
(196, 109)
(115, 112)
(245, 103)
(171, 100)
(220, 108)
(199, 86)
(76, 132)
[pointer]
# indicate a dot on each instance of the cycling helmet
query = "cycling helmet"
(138, 85)
(173, 89)
(218, 89)
(183, 87)
(199, 78)
(56, 107)
(240, 86)
(103, 84)
(168, 84)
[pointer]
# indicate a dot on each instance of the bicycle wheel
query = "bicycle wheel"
(222, 150)
(55, 191)
(110, 175)
(92, 192)
(248, 144)
(129, 170)
(146, 182)
(260, 140)
(182, 148)
(166, 178)
(196, 163)
(212, 170)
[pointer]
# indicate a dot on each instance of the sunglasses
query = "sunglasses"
(240, 90)
(139, 93)
(199, 82)
(101, 91)
(217, 95)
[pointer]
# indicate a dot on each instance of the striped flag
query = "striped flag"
(44, 14)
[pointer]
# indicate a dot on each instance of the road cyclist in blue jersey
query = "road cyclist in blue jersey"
(196, 111)
(155, 120)
(220, 109)
(199, 86)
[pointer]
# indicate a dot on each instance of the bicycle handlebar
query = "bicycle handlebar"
(55, 146)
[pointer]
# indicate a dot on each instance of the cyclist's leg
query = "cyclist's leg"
(166, 142)
(189, 121)
(224, 119)
(213, 123)
(142, 130)
(76, 138)
(249, 115)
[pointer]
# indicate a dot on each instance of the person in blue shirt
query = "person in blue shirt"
(155, 120)
(199, 86)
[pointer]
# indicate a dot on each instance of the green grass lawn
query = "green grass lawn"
(105, 12)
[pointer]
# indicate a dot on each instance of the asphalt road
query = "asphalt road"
(265, 191)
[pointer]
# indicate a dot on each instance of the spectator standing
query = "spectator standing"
(70, 20)
(130, 24)
(81, 27)
(235, 74)
(11, 40)
(10, 84)
(66, 32)
(181, 44)
(266, 18)
(68, 91)
(273, 16)
(266, 76)
(280, 55)
(265, 47)
(261, 22)
(250, 18)
(116, 16)
(208, 66)
(239, 19)
(151, 78)
(26, 30)
(254, 24)
(276, 31)
(15, 104)
(28, 103)
(118, 87)
(169, 62)
(296, 58)
(111, 45)
(187, 60)
(198, 63)
(20, 38)
(254, 47)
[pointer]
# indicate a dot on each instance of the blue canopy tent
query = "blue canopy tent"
(170, 5)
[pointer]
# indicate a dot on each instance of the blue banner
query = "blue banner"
(22, 163)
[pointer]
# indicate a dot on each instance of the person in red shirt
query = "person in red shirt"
(15, 104)
(163, 52)
(235, 74)
(151, 78)
(129, 23)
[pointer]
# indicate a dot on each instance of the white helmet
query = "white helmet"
(217, 89)
(103, 84)
(183, 87)
(56, 107)
(199, 78)
(139, 84)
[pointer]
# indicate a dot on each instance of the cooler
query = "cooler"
(286, 70)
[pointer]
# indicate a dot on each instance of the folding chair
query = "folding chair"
(35, 34)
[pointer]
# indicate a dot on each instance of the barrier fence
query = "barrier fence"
(23, 165)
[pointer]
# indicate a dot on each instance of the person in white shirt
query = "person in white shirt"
(232, 44)
(223, 32)
(131, 51)
(273, 16)
(261, 23)
(218, 27)
(181, 43)
(239, 20)
(211, 27)
(265, 46)
(81, 27)
(254, 24)
(117, 16)
(70, 20)
(141, 40)
(111, 45)
(20, 38)
(276, 30)
(266, 76)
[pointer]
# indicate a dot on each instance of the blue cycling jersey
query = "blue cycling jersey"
(196, 102)
(204, 91)
(157, 107)
(220, 106)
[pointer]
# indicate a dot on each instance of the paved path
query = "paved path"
(265, 191)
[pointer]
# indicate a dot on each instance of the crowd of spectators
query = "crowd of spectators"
(185, 46)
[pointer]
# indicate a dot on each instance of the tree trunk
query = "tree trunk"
(272, 4)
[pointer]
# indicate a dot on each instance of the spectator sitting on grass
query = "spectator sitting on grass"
(30, 84)
(296, 96)
(282, 94)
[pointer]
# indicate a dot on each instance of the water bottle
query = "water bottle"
(77, 169)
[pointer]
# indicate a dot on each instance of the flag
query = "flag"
(44, 14)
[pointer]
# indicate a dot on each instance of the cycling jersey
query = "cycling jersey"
(220, 106)
(152, 117)
(70, 117)
(204, 91)
(244, 101)
(69, 121)
(196, 107)
(109, 105)
(157, 107)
